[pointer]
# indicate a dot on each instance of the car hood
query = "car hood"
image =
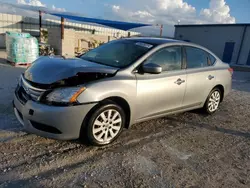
(48, 70)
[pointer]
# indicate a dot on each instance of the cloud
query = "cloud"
(28, 10)
(218, 12)
(18, 9)
(115, 8)
(175, 5)
(169, 13)
(166, 12)
(35, 3)
(58, 9)
(142, 14)
(158, 11)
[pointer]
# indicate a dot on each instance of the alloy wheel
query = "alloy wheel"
(214, 101)
(107, 125)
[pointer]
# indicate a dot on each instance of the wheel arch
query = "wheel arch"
(222, 90)
(123, 104)
(117, 100)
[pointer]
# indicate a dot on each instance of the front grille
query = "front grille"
(45, 128)
(21, 95)
(25, 91)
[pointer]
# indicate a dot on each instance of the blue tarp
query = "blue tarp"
(114, 24)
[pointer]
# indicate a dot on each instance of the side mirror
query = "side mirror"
(152, 68)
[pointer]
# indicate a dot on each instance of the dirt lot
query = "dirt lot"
(183, 150)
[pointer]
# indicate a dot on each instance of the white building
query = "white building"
(10, 22)
(230, 42)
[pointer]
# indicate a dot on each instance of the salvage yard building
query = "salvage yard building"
(230, 42)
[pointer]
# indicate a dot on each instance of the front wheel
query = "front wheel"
(105, 124)
(213, 101)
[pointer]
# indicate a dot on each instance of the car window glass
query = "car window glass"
(168, 58)
(196, 57)
(119, 53)
(212, 59)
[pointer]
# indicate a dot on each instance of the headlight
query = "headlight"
(65, 95)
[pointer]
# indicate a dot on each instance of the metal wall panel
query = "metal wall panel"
(244, 54)
(213, 38)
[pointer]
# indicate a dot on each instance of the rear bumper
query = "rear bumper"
(62, 123)
(227, 88)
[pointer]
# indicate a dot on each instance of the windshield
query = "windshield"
(120, 53)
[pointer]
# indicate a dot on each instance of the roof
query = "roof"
(159, 41)
(152, 40)
(115, 24)
(213, 25)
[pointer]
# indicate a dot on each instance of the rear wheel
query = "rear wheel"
(213, 101)
(105, 124)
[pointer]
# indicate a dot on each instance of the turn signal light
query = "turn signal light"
(74, 97)
(231, 70)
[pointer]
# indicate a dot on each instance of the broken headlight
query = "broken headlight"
(65, 95)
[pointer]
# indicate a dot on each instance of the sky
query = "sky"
(167, 12)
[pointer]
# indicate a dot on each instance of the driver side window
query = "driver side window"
(168, 58)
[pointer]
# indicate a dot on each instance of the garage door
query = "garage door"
(248, 59)
(228, 52)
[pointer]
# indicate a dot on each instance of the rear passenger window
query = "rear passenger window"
(196, 57)
(212, 59)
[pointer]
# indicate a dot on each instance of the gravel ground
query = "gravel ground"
(183, 150)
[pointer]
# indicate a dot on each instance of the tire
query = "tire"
(105, 124)
(213, 101)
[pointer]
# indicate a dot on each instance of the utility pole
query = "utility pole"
(40, 25)
(129, 34)
(161, 29)
(62, 27)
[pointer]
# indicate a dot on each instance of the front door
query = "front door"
(159, 93)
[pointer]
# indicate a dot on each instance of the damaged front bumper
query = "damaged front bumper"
(62, 123)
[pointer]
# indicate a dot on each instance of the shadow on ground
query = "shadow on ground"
(241, 81)
(4, 62)
(213, 128)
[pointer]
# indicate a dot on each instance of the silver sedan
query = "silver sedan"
(116, 85)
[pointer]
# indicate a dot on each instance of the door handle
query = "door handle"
(179, 81)
(210, 77)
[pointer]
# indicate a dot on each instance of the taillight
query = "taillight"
(231, 70)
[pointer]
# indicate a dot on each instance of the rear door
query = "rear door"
(200, 76)
(159, 93)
